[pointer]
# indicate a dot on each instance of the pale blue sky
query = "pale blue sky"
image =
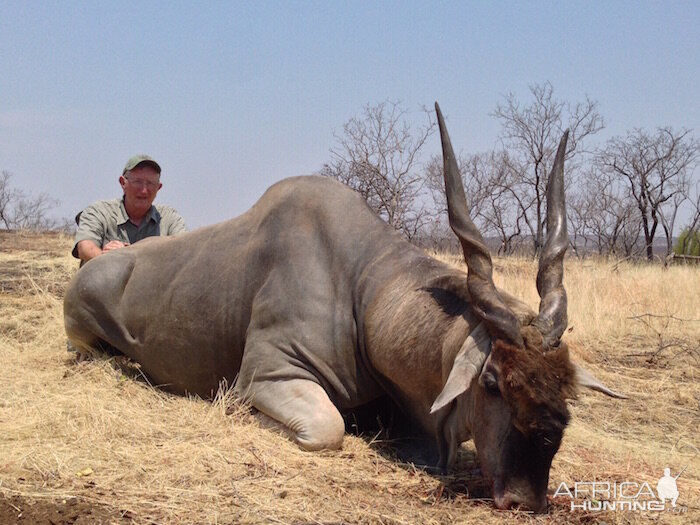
(232, 96)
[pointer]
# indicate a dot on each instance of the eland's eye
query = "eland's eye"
(547, 440)
(491, 385)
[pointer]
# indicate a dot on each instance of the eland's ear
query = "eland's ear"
(587, 380)
(457, 383)
(467, 365)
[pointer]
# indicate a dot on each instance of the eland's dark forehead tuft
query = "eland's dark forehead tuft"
(536, 384)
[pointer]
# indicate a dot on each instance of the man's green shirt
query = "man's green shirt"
(106, 221)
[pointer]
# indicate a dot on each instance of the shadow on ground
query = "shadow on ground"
(396, 438)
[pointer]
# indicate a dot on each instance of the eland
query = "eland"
(311, 306)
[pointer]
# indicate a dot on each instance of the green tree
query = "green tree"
(688, 243)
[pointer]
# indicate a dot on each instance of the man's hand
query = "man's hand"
(114, 245)
(87, 249)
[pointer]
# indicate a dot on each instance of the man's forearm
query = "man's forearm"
(87, 250)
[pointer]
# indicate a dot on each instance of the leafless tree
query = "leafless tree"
(531, 134)
(475, 177)
(656, 169)
(504, 212)
(8, 196)
(602, 215)
(378, 155)
(492, 201)
(20, 211)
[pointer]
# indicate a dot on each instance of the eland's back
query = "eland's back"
(183, 306)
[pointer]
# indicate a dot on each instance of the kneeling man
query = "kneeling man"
(112, 224)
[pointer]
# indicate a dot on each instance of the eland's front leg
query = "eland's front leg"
(300, 408)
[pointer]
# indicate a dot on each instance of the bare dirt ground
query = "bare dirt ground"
(87, 443)
(53, 512)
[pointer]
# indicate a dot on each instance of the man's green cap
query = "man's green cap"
(140, 159)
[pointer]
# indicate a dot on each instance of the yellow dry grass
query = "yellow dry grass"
(86, 431)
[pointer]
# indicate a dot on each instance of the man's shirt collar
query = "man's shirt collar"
(151, 215)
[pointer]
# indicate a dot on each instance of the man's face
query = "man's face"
(140, 187)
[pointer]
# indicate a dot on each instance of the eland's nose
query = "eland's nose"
(512, 500)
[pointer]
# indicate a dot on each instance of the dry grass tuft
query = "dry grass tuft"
(89, 432)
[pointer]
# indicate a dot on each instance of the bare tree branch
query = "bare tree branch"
(531, 133)
(377, 155)
(20, 211)
(655, 168)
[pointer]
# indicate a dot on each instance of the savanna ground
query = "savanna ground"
(84, 443)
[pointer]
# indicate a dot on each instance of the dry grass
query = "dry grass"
(86, 431)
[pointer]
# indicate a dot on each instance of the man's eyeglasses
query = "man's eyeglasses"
(143, 183)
